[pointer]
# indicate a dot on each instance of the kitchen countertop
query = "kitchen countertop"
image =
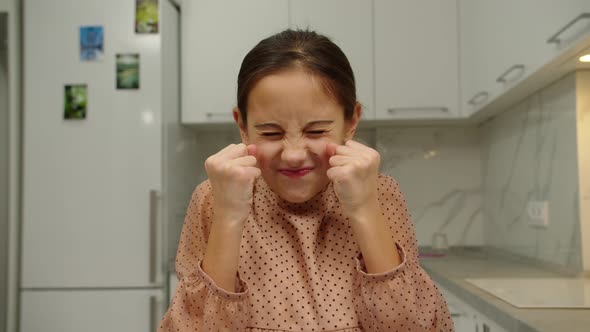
(451, 270)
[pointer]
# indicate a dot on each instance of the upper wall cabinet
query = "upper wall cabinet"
(416, 59)
(504, 42)
(215, 38)
(349, 24)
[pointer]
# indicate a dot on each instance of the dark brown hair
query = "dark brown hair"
(304, 49)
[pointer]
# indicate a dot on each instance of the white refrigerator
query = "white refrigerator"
(93, 237)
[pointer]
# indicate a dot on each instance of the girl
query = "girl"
(295, 229)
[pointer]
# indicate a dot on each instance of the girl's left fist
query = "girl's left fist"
(353, 170)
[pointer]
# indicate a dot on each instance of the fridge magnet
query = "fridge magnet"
(91, 43)
(75, 100)
(127, 71)
(146, 16)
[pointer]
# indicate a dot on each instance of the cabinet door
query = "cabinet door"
(503, 42)
(351, 29)
(482, 52)
(216, 35)
(464, 318)
(487, 325)
(416, 59)
(91, 311)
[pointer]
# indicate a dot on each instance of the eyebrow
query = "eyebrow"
(276, 126)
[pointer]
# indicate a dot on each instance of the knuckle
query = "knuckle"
(376, 156)
(210, 162)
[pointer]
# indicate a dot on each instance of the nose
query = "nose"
(294, 154)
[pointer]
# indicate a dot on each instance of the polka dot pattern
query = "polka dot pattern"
(301, 270)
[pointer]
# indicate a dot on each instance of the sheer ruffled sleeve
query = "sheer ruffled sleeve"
(199, 304)
(404, 298)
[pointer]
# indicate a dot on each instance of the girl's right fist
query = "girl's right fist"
(232, 172)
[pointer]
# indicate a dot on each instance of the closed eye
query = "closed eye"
(270, 134)
(316, 132)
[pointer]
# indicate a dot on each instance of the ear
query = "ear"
(352, 124)
(241, 125)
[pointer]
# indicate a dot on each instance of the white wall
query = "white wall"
(12, 7)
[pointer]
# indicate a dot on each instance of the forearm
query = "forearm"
(221, 258)
(375, 239)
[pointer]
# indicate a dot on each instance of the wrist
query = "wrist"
(229, 217)
(367, 211)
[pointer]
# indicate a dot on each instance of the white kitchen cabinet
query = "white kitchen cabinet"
(91, 311)
(481, 55)
(488, 325)
(504, 42)
(351, 29)
(216, 35)
(416, 59)
(466, 318)
(463, 315)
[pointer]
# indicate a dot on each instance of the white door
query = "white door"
(351, 29)
(87, 220)
(91, 311)
(416, 59)
(216, 35)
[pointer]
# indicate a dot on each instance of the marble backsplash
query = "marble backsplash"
(438, 170)
(529, 154)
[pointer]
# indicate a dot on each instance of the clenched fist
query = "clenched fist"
(232, 173)
(354, 171)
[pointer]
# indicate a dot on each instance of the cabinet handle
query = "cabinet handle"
(414, 109)
(211, 115)
(153, 314)
(486, 328)
(555, 38)
(502, 78)
(477, 99)
(154, 196)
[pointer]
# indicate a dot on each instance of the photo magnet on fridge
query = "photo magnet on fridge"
(91, 43)
(127, 71)
(146, 16)
(75, 100)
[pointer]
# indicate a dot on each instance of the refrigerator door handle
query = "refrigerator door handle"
(154, 201)
(153, 313)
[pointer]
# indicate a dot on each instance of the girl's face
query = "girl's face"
(291, 119)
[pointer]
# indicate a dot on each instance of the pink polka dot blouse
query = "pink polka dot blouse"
(301, 270)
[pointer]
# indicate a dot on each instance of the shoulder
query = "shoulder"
(203, 189)
(387, 183)
(389, 189)
(202, 197)
(200, 209)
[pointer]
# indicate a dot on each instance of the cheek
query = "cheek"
(318, 149)
(266, 152)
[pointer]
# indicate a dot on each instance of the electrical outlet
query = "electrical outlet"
(538, 212)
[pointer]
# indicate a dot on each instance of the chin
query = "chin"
(296, 197)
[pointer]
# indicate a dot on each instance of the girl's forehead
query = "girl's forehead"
(292, 97)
